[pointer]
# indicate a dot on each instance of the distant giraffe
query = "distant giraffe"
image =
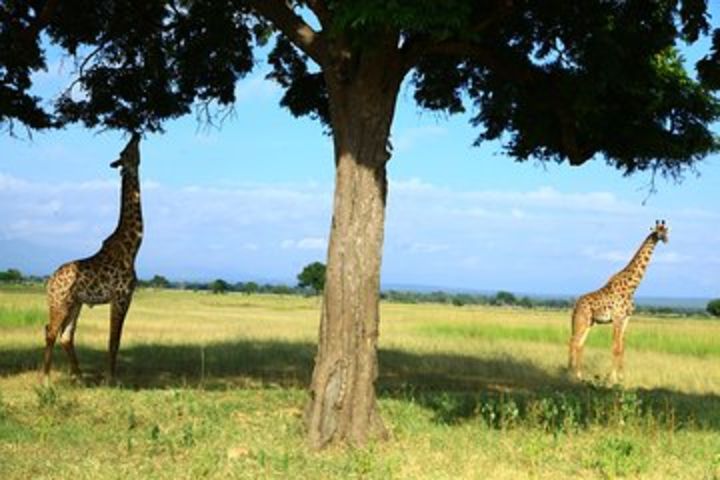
(613, 303)
(106, 277)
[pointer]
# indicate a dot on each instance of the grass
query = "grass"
(694, 342)
(214, 387)
(22, 317)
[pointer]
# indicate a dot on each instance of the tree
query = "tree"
(713, 307)
(158, 281)
(505, 298)
(556, 80)
(11, 275)
(21, 55)
(313, 276)
(250, 288)
(219, 286)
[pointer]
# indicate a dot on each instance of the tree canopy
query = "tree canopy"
(313, 276)
(553, 79)
(219, 286)
(713, 307)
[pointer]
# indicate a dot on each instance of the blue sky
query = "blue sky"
(253, 201)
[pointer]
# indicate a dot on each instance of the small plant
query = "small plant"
(628, 406)
(509, 413)
(155, 433)
(131, 420)
(47, 396)
(188, 439)
(619, 457)
(3, 409)
(489, 413)
(360, 462)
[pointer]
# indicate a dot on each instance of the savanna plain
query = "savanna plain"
(213, 386)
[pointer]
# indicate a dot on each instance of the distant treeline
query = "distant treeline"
(501, 298)
(222, 286)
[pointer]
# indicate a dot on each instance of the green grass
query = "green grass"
(21, 317)
(691, 343)
(215, 387)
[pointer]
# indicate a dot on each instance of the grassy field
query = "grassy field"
(214, 386)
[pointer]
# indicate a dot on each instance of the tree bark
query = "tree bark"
(343, 407)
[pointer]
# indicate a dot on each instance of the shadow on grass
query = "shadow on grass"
(500, 392)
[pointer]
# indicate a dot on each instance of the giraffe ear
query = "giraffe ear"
(115, 164)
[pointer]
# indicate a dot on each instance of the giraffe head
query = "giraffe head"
(661, 231)
(130, 156)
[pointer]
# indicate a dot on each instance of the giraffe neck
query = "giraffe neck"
(635, 270)
(130, 225)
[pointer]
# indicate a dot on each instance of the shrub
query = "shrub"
(219, 286)
(713, 307)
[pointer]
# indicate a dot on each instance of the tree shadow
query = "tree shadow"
(499, 392)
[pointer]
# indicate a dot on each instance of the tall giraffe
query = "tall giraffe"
(613, 303)
(106, 277)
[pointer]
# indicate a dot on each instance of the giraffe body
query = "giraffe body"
(106, 277)
(612, 304)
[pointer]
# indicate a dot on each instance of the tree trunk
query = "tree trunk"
(343, 407)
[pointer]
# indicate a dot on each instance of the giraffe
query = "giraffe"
(106, 277)
(613, 304)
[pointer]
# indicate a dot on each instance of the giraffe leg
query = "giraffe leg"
(67, 339)
(57, 315)
(618, 350)
(580, 329)
(118, 311)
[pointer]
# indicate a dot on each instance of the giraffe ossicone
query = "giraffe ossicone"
(613, 304)
(106, 277)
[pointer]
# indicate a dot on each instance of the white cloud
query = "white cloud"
(622, 256)
(424, 248)
(613, 256)
(256, 87)
(33, 228)
(308, 243)
(671, 257)
(312, 244)
(476, 238)
(409, 138)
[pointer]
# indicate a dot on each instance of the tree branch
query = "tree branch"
(417, 47)
(41, 20)
(321, 11)
(518, 70)
(292, 26)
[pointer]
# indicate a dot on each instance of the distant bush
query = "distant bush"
(158, 281)
(11, 275)
(713, 307)
(505, 298)
(219, 286)
(249, 288)
(312, 276)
